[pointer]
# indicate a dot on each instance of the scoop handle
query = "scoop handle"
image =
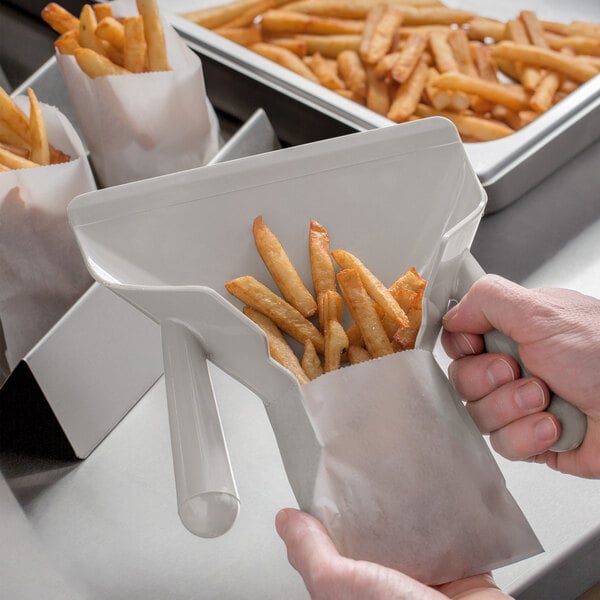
(573, 423)
(207, 498)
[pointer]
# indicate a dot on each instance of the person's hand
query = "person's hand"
(558, 335)
(329, 576)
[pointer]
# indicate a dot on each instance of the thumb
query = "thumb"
(492, 303)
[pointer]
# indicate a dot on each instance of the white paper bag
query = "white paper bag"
(405, 479)
(145, 124)
(41, 269)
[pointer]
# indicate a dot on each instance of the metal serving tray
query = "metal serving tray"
(507, 168)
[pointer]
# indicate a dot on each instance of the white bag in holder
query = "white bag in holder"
(382, 452)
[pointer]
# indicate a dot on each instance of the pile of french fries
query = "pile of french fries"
(409, 59)
(105, 45)
(386, 320)
(24, 140)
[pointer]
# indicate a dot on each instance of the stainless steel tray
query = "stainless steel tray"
(507, 167)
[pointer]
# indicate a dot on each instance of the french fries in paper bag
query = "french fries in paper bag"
(41, 268)
(141, 125)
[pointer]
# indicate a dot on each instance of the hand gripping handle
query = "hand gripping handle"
(572, 421)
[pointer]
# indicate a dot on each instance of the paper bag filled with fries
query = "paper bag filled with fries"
(138, 91)
(317, 276)
(42, 167)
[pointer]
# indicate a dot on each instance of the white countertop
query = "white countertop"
(108, 528)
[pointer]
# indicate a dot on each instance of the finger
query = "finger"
(474, 377)
(307, 542)
(508, 403)
(526, 437)
(492, 303)
(461, 344)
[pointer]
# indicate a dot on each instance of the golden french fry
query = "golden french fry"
(442, 52)
(247, 17)
(283, 22)
(528, 75)
(376, 290)
(378, 98)
(94, 65)
(283, 272)
(285, 58)
(409, 57)
(372, 18)
(155, 37)
(57, 156)
(486, 66)
(358, 354)
(543, 96)
(246, 36)
(546, 58)
(404, 339)
(87, 31)
(439, 99)
(476, 128)
(279, 349)
(409, 93)
(336, 342)
(439, 15)
(15, 121)
(410, 280)
(353, 72)
(3, 168)
(330, 45)
(102, 10)
(363, 312)
(112, 31)
(579, 43)
(383, 34)
(18, 150)
(383, 67)
(331, 307)
(355, 336)
(357, 9)
(480, 28)
(535, 30)
(216, 16)
(311, 363)
(40, 151)
(294, 45)
(14, 161)
(321, 265)
(495, 92)
(508, 68)
(285, 316)
(134, 46)
(326, 72)
(459, 43)
(60, 19)
(68, 42)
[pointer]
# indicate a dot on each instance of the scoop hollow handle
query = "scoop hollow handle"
(573, 423)
(207, 498)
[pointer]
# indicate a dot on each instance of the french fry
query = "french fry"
(376, 290)
(508, 68)
(459, 43)
(278, 347)
(442, 52)
(358, 354)
(330, 45)
(216, 16)
(283, 272)
(579, 43)
(527, 74)
(14, 161)
(285, 58)
(357, 9)
(409, 93)
(247, 17)
(155, 37)
(409, 57)
(439, 15)
(543, 96)
(68, 42)
(372, 19)
(485, 64)
(494, 92)
(353, 72)
(94, 65)
(326, 72)
(102, 10)
(332, 307)
(535, 30)
(383, 67)
(111, 31)
(378, 98)
(284, 315)
(355, 336)
(18, 150)
(476, 128)
(311, 363)
(87, 31)
(410, 280)
(336, 343)
(294, 45)
(363, 312)
(405, 338)
(439, 99)
(384, 30)
(545, 58)
(480, 28)
(15, 120)
(321, 265)
(134, 45)
(11, 137)
(282, 22)
(40, 151)
(60, 19)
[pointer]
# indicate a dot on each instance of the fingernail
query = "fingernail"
(450, 314)
(530, 396)
(500, 372)
(545, 430)
(463, 345)
(281, 519)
